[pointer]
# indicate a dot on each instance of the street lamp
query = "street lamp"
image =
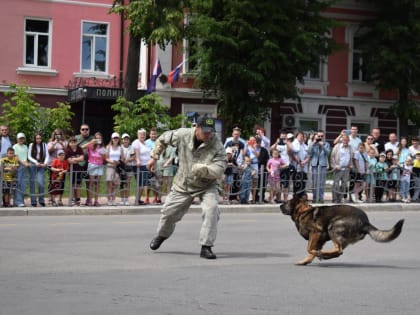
(83, 91)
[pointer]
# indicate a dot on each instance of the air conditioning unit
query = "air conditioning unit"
(290, 121)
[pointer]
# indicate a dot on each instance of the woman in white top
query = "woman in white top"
(113, 156)
(142, 152)
(130, 169)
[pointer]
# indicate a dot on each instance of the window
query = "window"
(94, 47)
(314, 73)
(37, 43)
(359, 69)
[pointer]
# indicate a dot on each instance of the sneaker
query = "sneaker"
(109, 203)
(122, 203)
(21, 205)
(155, 201)
(147, 201)
(207, 253)
(126, 203)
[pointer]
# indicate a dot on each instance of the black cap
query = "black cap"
(206, 123)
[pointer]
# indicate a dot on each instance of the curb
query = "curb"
(151, 209)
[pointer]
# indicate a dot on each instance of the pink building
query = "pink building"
(74, 50)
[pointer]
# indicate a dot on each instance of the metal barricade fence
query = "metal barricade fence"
(132, 183)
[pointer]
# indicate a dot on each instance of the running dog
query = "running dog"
(342, 224)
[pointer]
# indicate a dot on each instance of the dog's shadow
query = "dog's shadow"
(225, 255)
(358, 265)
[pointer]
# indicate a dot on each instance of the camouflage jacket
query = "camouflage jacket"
(211, 154)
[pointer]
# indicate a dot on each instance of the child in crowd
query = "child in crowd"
(361, 168)
(381, 177)
(416, 174)
(10, 164)
(59, 168)
(75, 156)
(394, 172)
(273, 169)
(247, 178)
(407, 169)
(370, 177)
(228, 178)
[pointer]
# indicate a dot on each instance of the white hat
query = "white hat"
(20, 135)
(115, 135)
(228, 150)
(290, 136)
(125, 135)
(60, 152)
(395, 157)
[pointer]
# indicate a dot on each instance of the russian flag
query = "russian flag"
(157, 70)
(173, 76)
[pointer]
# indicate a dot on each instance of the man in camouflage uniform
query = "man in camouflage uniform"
(202, 161)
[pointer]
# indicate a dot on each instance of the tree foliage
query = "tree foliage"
(21, 113)
(147, 112)
(391, 46)
(252, 52)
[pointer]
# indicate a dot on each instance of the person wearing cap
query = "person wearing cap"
(21, 151)
(406, 170)
(228, 177)
(114, 157)
(59, 169)
(202, 162)
(130, 169)
(5, 141)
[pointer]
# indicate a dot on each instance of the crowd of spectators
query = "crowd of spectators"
(360, 170)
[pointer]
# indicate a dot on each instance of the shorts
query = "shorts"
(9, 186)
(77, 177)
(228, 180)
(360, 177)
(144, 176)
(95, 170)
(111, 174)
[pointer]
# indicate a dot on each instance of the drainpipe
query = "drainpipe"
(121, 48)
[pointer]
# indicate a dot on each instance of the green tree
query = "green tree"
(251, 53)
(23, 114)
(146, 112)
(154, 22)
(391, 45)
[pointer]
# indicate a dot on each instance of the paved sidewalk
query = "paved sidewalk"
(153, 209)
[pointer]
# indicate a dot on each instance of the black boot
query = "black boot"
(207, 253)
(156, 242)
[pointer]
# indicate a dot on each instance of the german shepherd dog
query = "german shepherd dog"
(342, 224)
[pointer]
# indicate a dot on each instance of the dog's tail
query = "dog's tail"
(385, 235)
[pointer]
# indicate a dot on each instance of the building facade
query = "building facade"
(75, 51)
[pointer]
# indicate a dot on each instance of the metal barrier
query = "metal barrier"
(124, 185)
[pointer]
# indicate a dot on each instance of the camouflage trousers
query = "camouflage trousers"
(176, 206)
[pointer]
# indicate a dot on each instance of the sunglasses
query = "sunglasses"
(84, 129)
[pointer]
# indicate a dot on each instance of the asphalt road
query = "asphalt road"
(102, 265)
